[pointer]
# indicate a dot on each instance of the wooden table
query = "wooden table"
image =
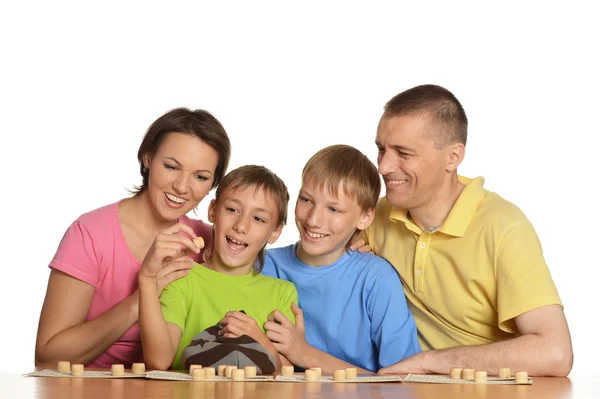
(15, 386)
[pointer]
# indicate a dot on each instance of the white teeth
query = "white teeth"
(315, 235)
(235, 241)
(175, 199)
(396, 181)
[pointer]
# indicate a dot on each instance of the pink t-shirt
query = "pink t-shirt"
(94, 250)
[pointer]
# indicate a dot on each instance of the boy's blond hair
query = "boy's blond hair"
(345, 166)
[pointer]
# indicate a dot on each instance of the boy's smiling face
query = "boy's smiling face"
(326, 223)
(245, 220)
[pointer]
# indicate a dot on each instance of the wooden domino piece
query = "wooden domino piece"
(339, 375)
(199, 241)
(77, 369)
(221, 369)
(117, 370)
(229, 370)
(194, 366)
(318, 370)
(311, 375)
(504, 372)
(468, 374)
(481, 377)
(249, 371)
(351, 372)
(138, 368)
(237, 375)
(287, 371)
(64, 366)
(209, 373)
(521, 377)
(198, 374)
(455, 373)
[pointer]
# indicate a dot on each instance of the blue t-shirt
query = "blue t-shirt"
(354, 309)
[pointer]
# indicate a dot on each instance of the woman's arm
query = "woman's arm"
(64, 333)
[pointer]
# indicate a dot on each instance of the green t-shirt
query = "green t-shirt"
(202, 298)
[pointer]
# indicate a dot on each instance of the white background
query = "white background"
(80, 84)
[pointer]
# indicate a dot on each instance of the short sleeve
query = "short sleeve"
(76, 255)
(393, 328)
(524, 281)
(173, 303)
(289, 296)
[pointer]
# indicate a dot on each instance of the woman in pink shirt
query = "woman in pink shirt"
(90, 312)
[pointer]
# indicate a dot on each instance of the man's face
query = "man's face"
(412, 168)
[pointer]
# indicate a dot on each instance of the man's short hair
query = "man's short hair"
(447, 117)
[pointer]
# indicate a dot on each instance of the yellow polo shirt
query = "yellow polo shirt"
(467, 281)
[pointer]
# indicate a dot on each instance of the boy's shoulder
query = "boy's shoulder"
(274, 281)
(373, 266)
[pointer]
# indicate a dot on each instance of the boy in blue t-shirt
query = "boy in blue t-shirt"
(354, 312)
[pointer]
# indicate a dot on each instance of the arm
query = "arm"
(543, 349)
(160, 340)
(64, 333)
(290, 341)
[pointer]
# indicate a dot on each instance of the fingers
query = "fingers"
(359, 242)
(166, 240)
(179, 227)
(274, 327)
(282, 319)
(299, 316)
(239, 316)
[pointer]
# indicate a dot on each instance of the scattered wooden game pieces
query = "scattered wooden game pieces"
(351, 373)
(229, 370)
(249, 371)
(117, 370)
(198, 374)
(77, 369)
(237, 375)
(221, 369)
(521, 377)
(138, 368)
(311, 375)
(481, 377)
(318, 370)
(64, 367)
(287, 371)
(209, 373)
(468, 374)
(199, 241)
(194, 366)
(504, 372)
(339, 375)
(455, 373)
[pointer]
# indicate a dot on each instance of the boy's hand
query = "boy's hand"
(289, 339)
(236, 324)
(167, 259)
(360, 244)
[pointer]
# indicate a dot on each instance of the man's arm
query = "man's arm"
(543, 349)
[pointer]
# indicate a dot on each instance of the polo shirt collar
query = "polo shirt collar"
(461, 214)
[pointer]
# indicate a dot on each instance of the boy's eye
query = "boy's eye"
(230, 209)
(334, 210)
(303, 199)
(259, 219)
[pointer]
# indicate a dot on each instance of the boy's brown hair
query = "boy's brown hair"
(345, 166)
(262, 179)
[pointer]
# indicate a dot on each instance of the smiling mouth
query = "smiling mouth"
(314, 234)
(235, 245)
(394, 182)
(175, 199)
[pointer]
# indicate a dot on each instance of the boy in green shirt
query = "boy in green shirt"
(249, 211)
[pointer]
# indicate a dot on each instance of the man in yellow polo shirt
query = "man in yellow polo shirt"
(470, 261)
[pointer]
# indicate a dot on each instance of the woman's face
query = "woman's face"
(181, 174)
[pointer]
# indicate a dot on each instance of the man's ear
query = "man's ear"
(456, 154)
(275, 234)
(366, 219)
(212, 211)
